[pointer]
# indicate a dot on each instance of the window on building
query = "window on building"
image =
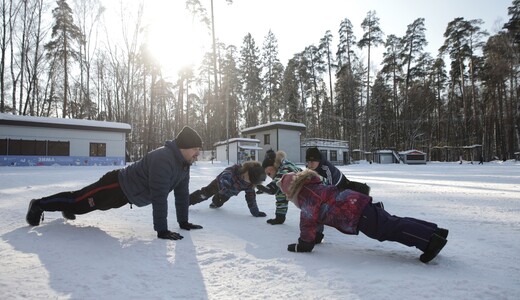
(98, 149)
(267, 139)
(252, 136)
(29, 147)
(333, 155)
(15, 147)
(40, 148)
(57, 148)
(3, 147)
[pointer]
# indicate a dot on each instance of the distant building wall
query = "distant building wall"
(27, 141)
(285, 136)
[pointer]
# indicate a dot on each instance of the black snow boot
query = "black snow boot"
(68, 215)
(434, 247)
(34, 213)
(443, 232)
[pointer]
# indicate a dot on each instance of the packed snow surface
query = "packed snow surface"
(115, 254)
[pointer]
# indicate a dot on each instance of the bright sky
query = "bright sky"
(177, 39)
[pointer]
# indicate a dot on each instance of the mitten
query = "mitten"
(302, 246)
(197, 197)
(269, 189)
(279, 219)
(187, 225)
(169, 235)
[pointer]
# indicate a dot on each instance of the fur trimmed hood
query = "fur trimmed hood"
(292, 183)
(280, 156)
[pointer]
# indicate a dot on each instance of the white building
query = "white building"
(30, 141)
(335, 151)
(413, 157)
(386, 157)
(285, 136)
(240, 150)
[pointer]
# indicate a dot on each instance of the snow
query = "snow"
(115, 254)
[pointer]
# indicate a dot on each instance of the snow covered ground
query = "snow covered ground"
(115, 254)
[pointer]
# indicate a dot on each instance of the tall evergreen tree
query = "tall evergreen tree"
(272, 79)
(250, 76)
(62, 47)
(372, 37)
(347, 41)
(292, 113)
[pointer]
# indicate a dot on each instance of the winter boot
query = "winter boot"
(68, 215)
(34, 213)
(434, 247)
(443, 232)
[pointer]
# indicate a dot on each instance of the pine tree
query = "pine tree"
(62, 48)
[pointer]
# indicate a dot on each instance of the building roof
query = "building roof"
(412, 151)
(275, 125)
(17, 120)
(233, 140)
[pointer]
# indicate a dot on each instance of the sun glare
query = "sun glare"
(175, 39)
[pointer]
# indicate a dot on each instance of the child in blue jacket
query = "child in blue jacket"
(231, 182)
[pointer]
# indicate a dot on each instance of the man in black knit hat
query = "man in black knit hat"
(147, 181)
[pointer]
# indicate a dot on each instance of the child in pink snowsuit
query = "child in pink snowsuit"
(351, 212)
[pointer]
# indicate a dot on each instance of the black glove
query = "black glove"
(302, 246)
(278, 220)
(169, 235)
(187, 225)
(318, 238)
(261, 214)
(269, 189)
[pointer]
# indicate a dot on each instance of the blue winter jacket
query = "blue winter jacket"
(151, 179)
(230, 183)
(333, 175)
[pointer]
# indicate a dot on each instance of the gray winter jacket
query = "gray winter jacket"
(151, 179)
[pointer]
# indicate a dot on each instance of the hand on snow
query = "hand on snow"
(169, 235)
(187, 225)
(302, 246)
(269, 189)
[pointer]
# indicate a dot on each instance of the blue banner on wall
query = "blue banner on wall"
(25, 160)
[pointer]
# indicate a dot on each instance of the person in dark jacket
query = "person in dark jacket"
(350, 212)
(231, 182)
(275, 166)
(147, 181)
(334, 176)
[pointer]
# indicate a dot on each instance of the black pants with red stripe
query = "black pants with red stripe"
(103, 194)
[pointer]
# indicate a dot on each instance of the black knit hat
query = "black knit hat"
(188, 138)
(269, 158)
(312, 154)
(256, 174)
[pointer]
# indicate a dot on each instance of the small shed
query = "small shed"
(413, 157)
(240, 150)
(284, 136)
(37, 141)
(386, 157)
